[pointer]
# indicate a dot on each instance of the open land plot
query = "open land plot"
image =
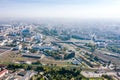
(11, 57)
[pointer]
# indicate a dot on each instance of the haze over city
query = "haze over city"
(59, 39)
(98, 9)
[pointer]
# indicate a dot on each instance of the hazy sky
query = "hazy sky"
(60, 8)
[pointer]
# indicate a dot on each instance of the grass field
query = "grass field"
(10, 57)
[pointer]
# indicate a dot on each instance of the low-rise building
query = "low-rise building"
(36, 56)
(3, 72)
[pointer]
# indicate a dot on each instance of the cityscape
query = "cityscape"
(59, 47)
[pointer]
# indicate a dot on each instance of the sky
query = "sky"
(60, 9)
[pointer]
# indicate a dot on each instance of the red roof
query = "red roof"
(3, 71)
